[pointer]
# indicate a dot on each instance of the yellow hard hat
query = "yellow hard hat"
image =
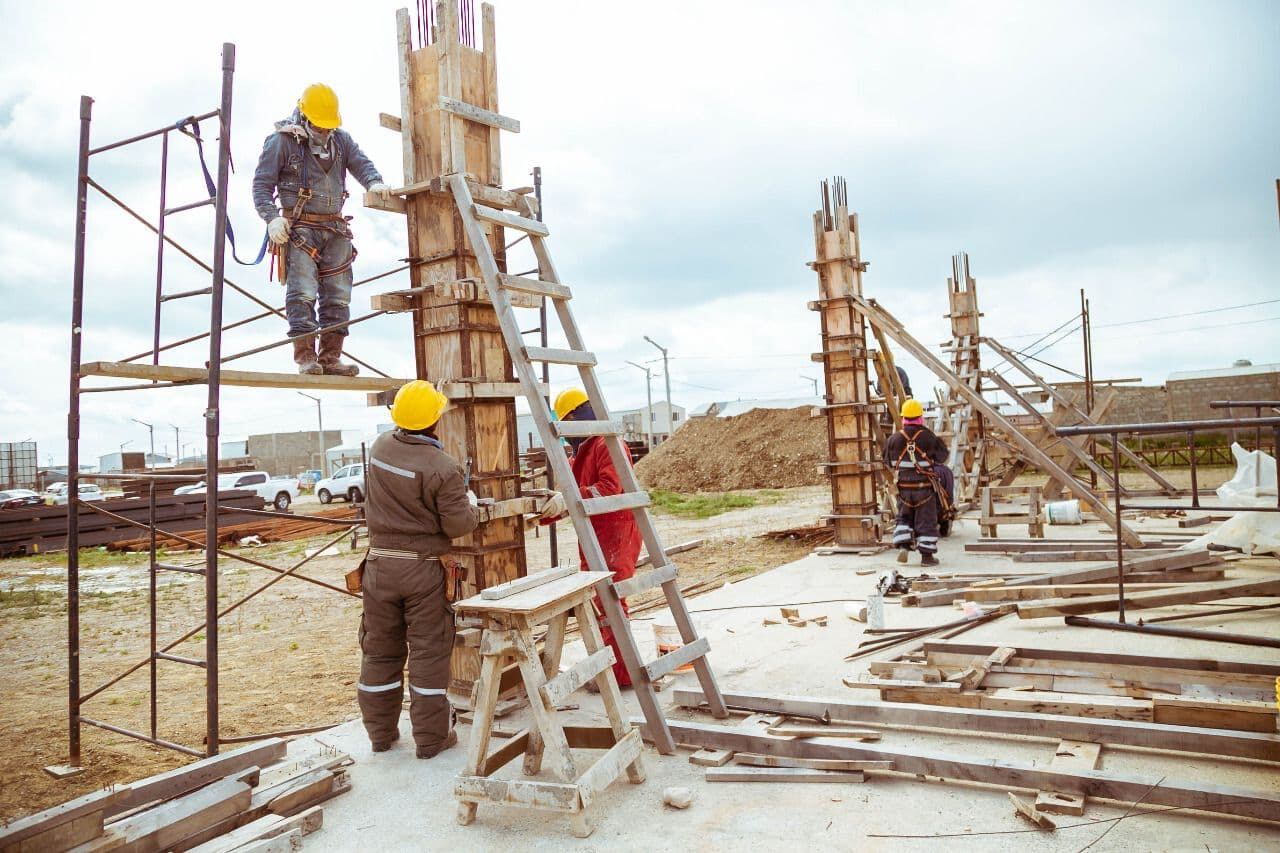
(912, 409)
(418, 405)
(568, 400)
(319, 104)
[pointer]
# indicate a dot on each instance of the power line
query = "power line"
(1150, 319)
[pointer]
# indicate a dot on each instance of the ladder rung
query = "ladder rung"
(674, 660)
(510, 220)
(204, 202)
(560, 356)
(615, 503)
(174, 567)
(535, 286)
(642, 582)
(582, 429)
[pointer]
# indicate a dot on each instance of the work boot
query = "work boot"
(330, 350)
(304, 355)
(928, 560)
(384, 745)
(902, 554)
(432, 752)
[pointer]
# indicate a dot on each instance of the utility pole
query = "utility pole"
(666, 375)
(814, 381)
(648, 396)
(324, 468)
(123, 445)
(177, 444)
(151, 431)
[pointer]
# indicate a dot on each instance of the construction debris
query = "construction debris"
(677, 797)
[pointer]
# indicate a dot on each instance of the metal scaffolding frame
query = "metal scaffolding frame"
(77, 697)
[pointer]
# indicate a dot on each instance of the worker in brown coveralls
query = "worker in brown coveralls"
(416, 502)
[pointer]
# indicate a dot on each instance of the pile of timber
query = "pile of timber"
(140, 487)
(266, 529)
(1161, 569)
(1061, 782)
(249, 799)
(821, 533)
(1172, 691)
(36, 529)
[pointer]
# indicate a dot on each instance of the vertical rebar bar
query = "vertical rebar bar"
(212, 415)
(73, 441)
(1119, 525)
(1195, 482)
(546, 368)
(164, 183)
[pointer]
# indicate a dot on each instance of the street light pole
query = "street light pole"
(177, 444)
(666, 375)
(814, 381)
(151, 430)
(648, 396)
(324, 467)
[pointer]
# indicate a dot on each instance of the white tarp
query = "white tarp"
(1254, 484)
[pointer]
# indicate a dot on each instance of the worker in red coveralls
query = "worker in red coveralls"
(619, 538)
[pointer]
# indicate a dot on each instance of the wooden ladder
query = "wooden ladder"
(515, 211)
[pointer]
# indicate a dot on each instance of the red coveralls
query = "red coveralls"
(619, 537)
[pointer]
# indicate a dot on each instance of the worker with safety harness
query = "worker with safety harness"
(304, 162)
(416, 502)
(916, 454)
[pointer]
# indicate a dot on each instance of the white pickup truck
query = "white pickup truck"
(277, 491)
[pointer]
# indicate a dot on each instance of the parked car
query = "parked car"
(277, 491)
(87, 492)
(54, 489)
(15, 498)
(307, 480)
(347, 482)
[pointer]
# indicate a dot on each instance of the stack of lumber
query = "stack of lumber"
(1059, 783)
(249, 799)
(266, 529)
(1165, 568)
(821, 533)
(1172, 691)
(44, 528)
(140, 487)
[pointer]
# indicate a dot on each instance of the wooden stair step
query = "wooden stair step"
(648, 580)
(510, 220)
(615, 503)
(583, 429)
(534, 286)
(560, 356)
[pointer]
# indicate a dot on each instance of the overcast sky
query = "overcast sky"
(1129, 149)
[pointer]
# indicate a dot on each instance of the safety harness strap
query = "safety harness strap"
(212, 187)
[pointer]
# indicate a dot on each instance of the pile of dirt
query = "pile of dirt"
(761, 449)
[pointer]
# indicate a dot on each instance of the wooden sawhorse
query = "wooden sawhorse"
(508, 633)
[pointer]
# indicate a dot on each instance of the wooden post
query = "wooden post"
(964, 428)
(456, 333)
(853, 454)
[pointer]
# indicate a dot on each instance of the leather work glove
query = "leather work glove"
(381, 189)
(472, 499)
(278, 230)
(553, 509)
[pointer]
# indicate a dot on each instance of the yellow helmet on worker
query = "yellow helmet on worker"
(568, 400)
(319, 105)
(912, 409)
(418, 405)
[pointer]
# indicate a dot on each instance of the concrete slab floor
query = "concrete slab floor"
(400, 803)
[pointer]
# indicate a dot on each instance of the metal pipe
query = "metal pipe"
(292, 516)
(1119, 525)
(553, 540)
(179, 659)
(142, 386)
(192, 206)
(150, 133)
(1187, 633)
(140, 736)
(1226, 611)
(1195, 483)
(286, 733)
(202, 291)
(164, 188)
(1167, 427)
(212, 414)
(73, 440)
(287, 340)
(152, 567)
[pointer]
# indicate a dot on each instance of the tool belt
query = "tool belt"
(334, 223)
(454, 572)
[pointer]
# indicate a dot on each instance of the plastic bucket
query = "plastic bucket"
(1064, 512)
(666, 636)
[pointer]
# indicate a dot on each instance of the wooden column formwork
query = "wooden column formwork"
(457, 338)
(965, 430)
(853, 452)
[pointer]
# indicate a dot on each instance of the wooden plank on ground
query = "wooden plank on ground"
(1024, 809)
(1187, 594)
(35, 824)
(782, 774)
(62, 836)
(1225, 714)
(824, 731)
(161, 827)
(176, 782)
(1122, 787)
(1111, 659)
(1054, 727)
(268, 826)
(1070, 754)
(711, 757)
(753, 759)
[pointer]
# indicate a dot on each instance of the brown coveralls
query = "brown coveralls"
(416, 502)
